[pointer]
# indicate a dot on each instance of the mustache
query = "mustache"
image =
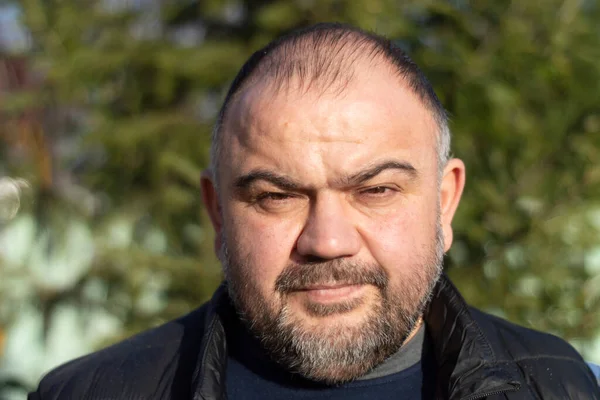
(300, 276)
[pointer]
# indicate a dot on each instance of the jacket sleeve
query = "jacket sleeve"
(33, 396)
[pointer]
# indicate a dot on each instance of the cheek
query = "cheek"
(263, 245)
(401, 241)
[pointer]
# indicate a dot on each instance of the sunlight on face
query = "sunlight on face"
(332, 235)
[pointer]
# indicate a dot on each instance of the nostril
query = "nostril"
(312, 259)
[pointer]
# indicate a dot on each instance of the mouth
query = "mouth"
(332, 293)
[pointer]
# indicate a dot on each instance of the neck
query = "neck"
(408, 355)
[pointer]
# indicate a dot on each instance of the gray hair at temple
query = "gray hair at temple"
(322, 57)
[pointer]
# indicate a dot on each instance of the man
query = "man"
(332, 194)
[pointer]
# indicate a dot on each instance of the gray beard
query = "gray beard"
(341, 353)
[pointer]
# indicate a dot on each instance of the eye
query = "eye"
(377, 191)
(276, 201)
(273, 196)
(378, 195)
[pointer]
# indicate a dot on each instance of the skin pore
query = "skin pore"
(332, 219)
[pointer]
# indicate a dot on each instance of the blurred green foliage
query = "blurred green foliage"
(113, 131)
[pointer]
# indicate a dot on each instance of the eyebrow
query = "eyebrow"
(286, 183)
(283, 182)
(372, 171)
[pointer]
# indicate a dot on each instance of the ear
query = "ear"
(210, 199)
(452, 185)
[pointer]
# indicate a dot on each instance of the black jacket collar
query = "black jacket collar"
(467, 365)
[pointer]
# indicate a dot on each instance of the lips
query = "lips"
(329, 275)
(327, 286)
(329, 293)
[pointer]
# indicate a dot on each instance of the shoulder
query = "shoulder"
(548, 363)
(145, 363)
(511, 341)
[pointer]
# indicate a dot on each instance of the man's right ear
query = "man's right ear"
(210, 198)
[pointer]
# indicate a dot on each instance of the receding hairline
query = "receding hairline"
(263, 91)
(328, 67)
(322, 79)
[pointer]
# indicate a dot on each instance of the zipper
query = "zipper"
(513, 388)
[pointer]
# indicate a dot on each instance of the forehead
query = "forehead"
(375, 115)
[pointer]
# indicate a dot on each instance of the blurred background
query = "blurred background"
(106, 108)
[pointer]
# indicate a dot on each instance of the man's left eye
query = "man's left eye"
(377, 190)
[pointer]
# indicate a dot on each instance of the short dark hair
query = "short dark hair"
(323, 55)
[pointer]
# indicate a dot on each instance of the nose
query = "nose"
(329, 231)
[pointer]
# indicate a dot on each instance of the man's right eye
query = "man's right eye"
(273, 196)
(276, 202)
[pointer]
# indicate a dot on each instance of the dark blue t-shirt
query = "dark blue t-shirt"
(252, 376)
(244, 384)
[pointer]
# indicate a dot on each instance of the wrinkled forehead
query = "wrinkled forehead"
(376, 89)
(375, 110)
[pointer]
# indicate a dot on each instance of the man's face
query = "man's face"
(330, 220)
